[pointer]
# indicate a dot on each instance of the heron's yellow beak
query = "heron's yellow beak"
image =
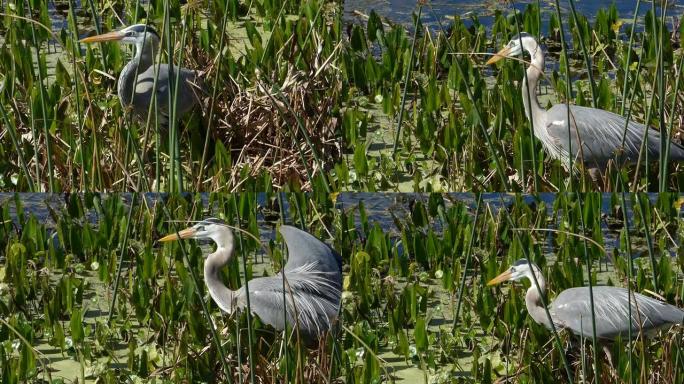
(502, 277)
(503, 53)
(184, 234)
(116, 35)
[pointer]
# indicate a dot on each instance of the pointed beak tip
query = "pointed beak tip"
(184, 234)
(501, 278)
(493, 60)
(168, 238)
(502, 54)
(116, 35)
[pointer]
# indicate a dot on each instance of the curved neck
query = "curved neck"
(533, 301)
(534, 71)
(143, 59)
(222, 295)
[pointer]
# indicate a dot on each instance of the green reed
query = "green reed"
(407, 79)
(405, 258)
(91, 148)
(469, 92)
(442, 133)
(43, 107)
(214, 90)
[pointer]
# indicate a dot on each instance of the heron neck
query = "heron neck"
(534, 71)
(143, 59)
(222, 295)
(534, 303)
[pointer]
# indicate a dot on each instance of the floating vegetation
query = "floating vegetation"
(91, 296)
(267, 118)
(424, 114)
(306, 114)
(290, 101)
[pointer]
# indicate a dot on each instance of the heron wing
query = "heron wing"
(311, 299)
(311, 291)
(601, 133)
(572, 310)
(187, 95)
(305, 249)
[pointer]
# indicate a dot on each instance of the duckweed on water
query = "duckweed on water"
(464, 126)
(266, 71)
(292, 101)
(297, 97)
(412, 308)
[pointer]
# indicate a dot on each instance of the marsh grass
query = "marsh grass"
(269, 121)
(102, 250)
(414, 307)
(418, 259)
(455, 109)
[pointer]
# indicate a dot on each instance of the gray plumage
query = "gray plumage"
(137, 79)
(600, 132)
(313, 281)
(571, 309)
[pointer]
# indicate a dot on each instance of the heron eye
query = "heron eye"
(200, 228)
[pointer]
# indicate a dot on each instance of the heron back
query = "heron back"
(602, 134)
(572, 310)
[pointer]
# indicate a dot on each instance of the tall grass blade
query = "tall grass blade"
(174, 177)
(43, 107)
(542, 296)
(630, 272)
(588, 261)
(668, 132)
(497, 162)
(568, 94)
(281, 207)
(77, 53)
(643, 206)
(249, 306)
(664, 134)
(407, 80)
(119, 268)
(11, 130)
(629, 58)
(461, 288)
(215, 87)
(174, 102)
(587, 59)
(533, 137)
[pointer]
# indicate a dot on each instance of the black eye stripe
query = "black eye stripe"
(141, 29)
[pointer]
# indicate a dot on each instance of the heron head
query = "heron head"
(514, 47)
(211, 228)
(134, 34)
(517, 271)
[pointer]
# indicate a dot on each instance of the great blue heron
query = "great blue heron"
(600, 132)
(137, 78)
(313, 280)
(572, 310)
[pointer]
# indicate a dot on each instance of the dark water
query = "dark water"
(381, 208)
(45, 206)
(401, 11)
